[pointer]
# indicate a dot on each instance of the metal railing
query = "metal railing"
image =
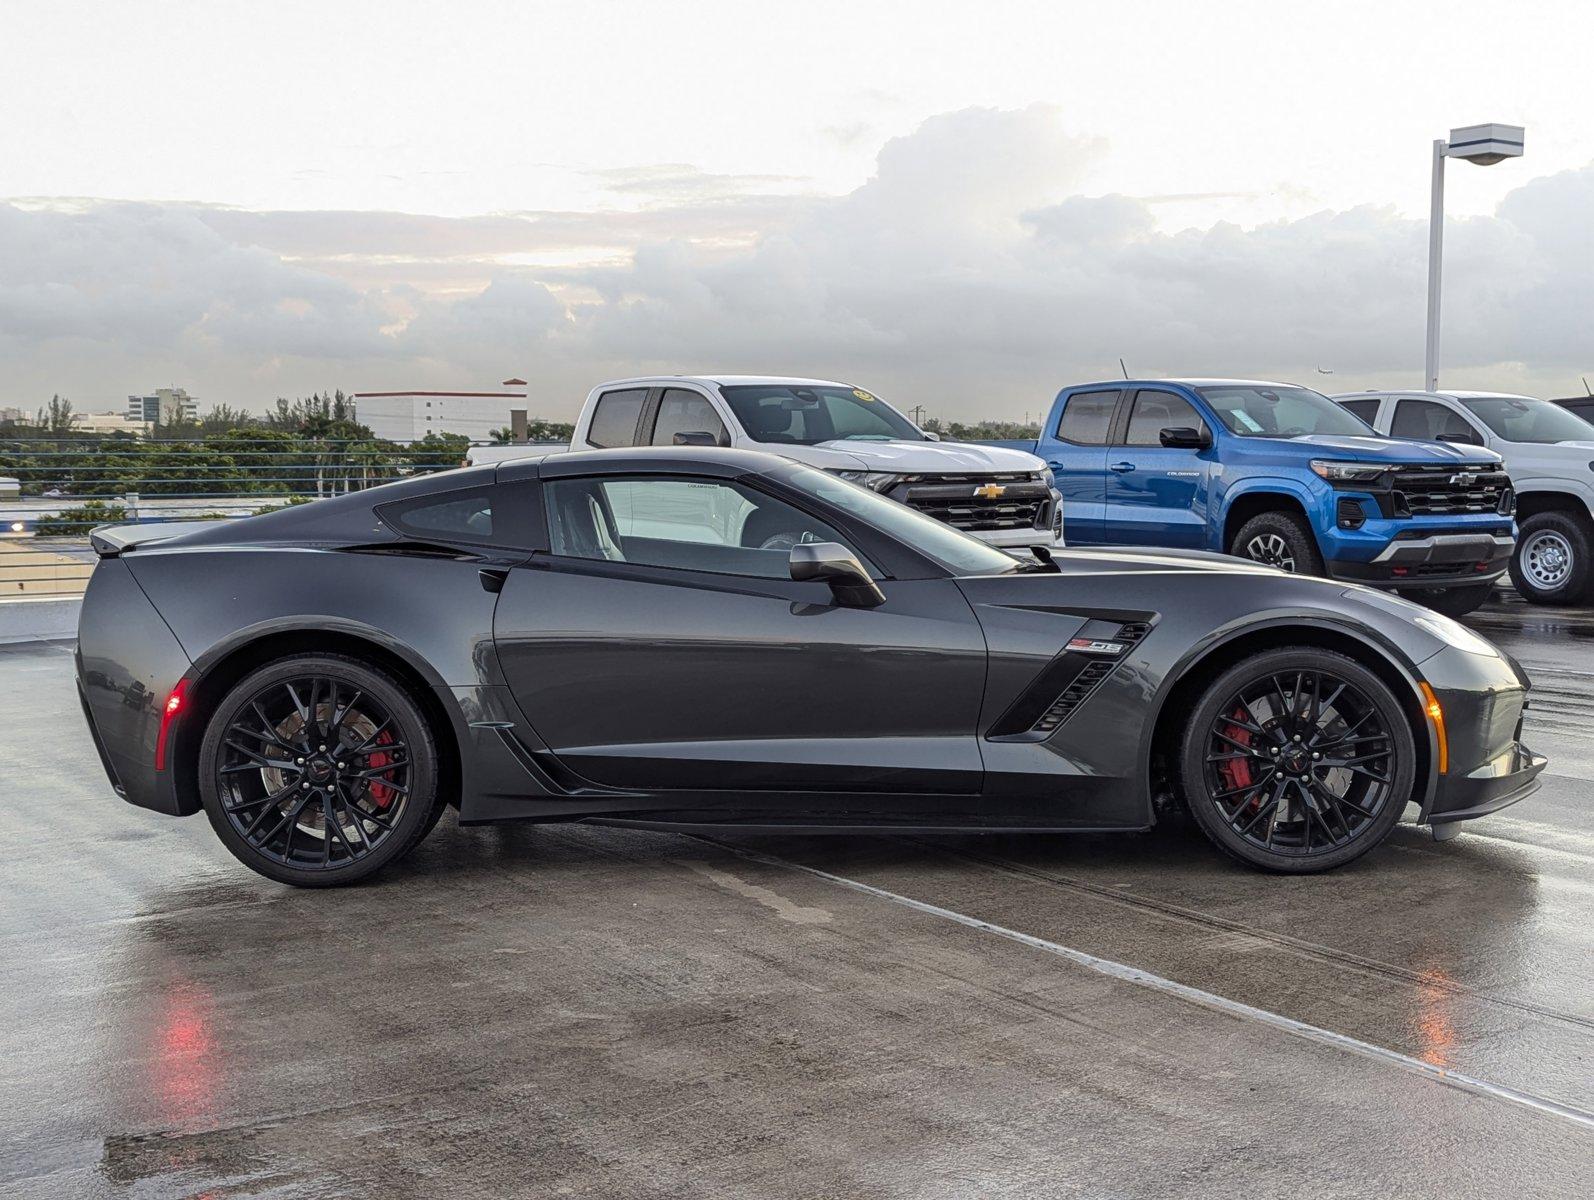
(66, 487)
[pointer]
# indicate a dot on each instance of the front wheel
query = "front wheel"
(1552, 563)
(318, 770)
(1297, 760)
(1279, 539)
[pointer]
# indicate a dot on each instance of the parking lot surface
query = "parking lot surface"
(541, 1011)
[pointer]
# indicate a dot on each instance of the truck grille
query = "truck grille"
(1422, 491)
(1023, 501)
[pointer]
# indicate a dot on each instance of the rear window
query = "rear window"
(614, 418)
(1087, 418)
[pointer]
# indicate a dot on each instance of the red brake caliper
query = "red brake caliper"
(1236, 772)
(380, 796)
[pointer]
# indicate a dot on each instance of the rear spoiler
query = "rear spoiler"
(110, 540)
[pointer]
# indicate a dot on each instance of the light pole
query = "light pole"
(1484, 145)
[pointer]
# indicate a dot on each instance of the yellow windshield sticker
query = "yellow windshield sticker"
(863, 395)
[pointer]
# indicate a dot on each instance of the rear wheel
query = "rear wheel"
(1279, 539)
(1552, 563)
(319, 770)
(1456, 601)
(1297, 760)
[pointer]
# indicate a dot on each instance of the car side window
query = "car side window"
(614, 418)
(1155, 411)
(1087, 418)
(681, 411)
(462, 516)
(1427, 421)
(1366, 409)
(684, 523)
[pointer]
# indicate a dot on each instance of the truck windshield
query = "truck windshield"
(1524, 419)
(1259, 410)
(793, 415)
(952, 548)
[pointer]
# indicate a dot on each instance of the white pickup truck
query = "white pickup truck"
(1549, 454)
(1004, 497)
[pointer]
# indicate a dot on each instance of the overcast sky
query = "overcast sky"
(960, 205)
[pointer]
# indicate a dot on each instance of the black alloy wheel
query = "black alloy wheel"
(1298, 760)
(318, 770)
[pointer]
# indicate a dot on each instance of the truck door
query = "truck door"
(1156, 495)
(1076, 451)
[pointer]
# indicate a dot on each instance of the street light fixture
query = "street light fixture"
(1484, 145)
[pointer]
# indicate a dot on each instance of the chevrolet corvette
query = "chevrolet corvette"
(693, 638)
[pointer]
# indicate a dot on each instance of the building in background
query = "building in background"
(410, 416)
(110, 422)
(164, 406)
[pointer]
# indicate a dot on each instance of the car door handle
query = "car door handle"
(1121, 467)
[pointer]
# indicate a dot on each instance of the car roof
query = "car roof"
(1374, 393)
(1192, 382)
(710, 460)
(715, 380)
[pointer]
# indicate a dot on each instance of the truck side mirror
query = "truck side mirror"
(696, 437)
(1183, 437)
(930, 435)
(839, 567)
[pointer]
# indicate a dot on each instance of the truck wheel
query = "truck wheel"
(1279, 539)
(1455, 601)
(1552, 563)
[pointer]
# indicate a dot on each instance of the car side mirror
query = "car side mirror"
(930, 435)
(836, 565)
(1460, 439)
(696, 437)
(1183, 437)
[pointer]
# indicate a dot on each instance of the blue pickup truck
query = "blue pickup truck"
(1282, 475)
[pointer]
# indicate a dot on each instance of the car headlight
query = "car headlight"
(1346, 471)
(1454, 633)
(878, 481)
(1048, 477)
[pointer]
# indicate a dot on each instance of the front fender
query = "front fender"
(1383, 642)
(1251, 485)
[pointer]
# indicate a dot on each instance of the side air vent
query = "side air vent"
(1133, 631)
(1073, 696)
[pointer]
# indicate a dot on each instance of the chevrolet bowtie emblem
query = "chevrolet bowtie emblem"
(990, 491)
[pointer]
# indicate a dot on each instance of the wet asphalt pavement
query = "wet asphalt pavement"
(562, 1011)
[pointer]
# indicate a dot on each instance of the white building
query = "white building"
(164, 406)
(111, 422)
(410, 416)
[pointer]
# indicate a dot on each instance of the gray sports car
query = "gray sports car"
(690, 637)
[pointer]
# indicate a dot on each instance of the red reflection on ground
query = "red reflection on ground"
(184, 1067)
(1437, 1031)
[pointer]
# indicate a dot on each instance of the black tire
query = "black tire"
(1279, 539)
(1269, 698)
(310, 737)
(1554, 559)
(1455, 601)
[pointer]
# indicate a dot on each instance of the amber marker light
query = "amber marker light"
(1436, 714)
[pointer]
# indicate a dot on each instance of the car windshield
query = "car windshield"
(952, 548)
(1261, 410)
(1524, 419)
(794, 415)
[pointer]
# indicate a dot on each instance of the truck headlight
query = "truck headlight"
(878, 481)
(1346, 472)
(1048, 477)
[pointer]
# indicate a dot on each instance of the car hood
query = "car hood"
(951, 458)
(1121, 560)
(1356, 448)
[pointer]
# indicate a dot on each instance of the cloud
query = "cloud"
(969, 273)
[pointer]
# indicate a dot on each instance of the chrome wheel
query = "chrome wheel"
(1299, 764)
(1271, 549)
(1546, 559)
